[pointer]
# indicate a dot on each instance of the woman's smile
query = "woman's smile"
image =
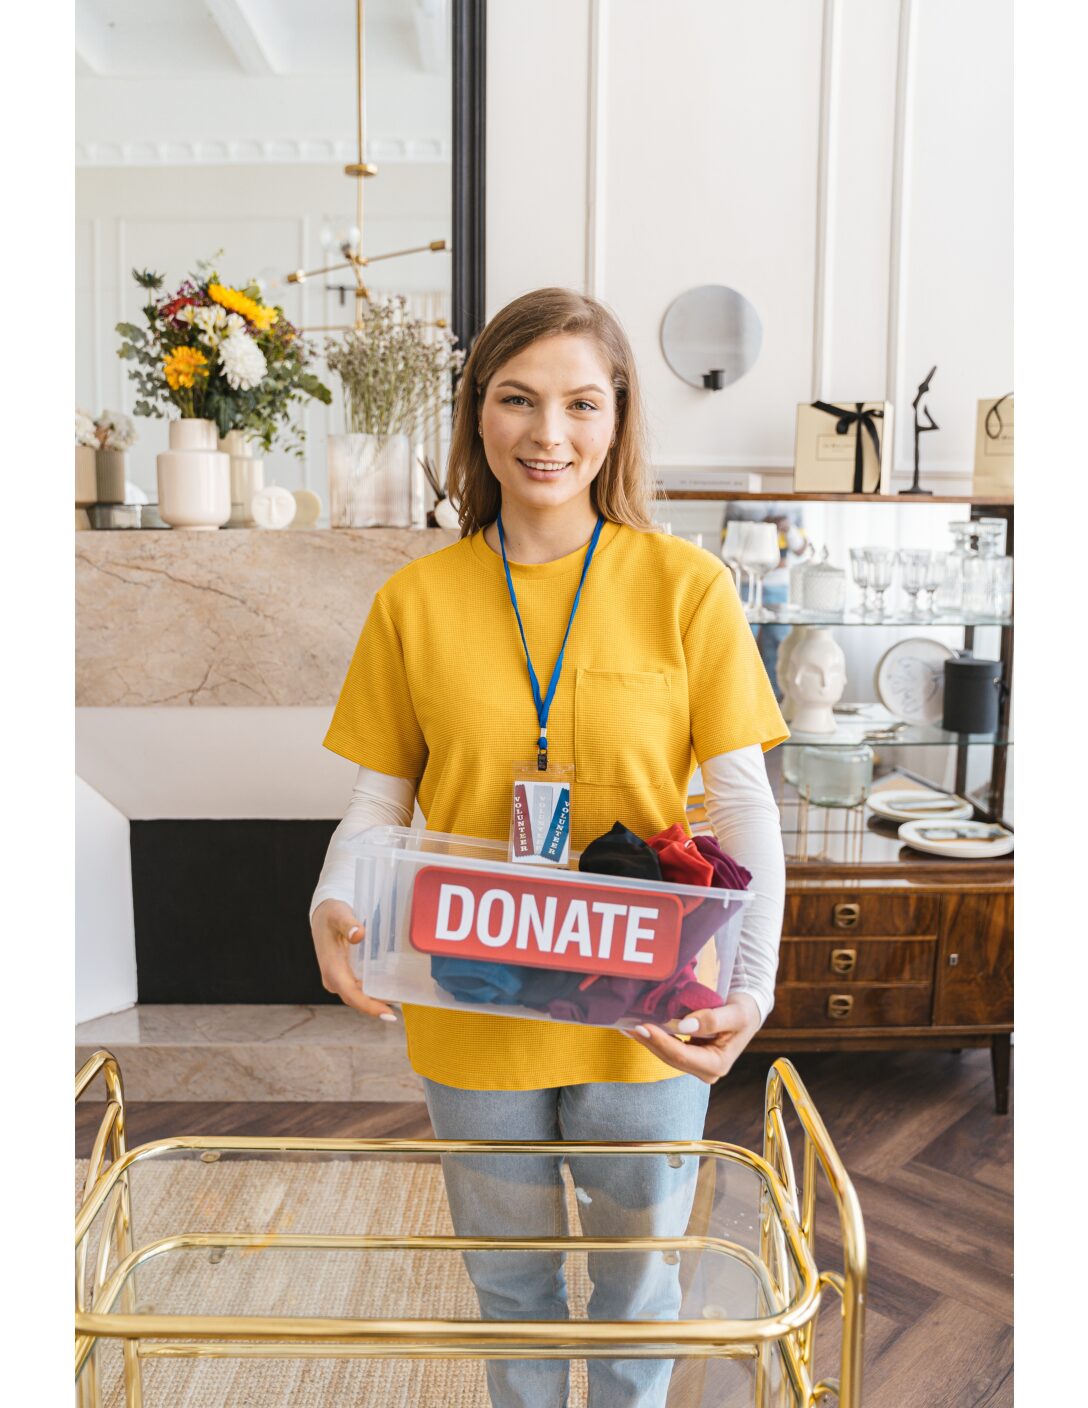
(543, 469)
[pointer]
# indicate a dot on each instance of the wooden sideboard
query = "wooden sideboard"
(912, 953)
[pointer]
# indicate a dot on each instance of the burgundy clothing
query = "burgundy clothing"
(729, 874)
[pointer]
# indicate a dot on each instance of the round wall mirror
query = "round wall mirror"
(711, 336)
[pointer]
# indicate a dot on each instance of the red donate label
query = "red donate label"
(583, 928)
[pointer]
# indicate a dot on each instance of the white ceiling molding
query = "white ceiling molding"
(92, 42)
(234, 20)
(250, 153)
(431, 28)
(829, 73)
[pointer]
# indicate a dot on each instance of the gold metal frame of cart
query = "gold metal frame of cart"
(785, 1267)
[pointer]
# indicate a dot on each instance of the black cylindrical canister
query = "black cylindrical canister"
(972, 693)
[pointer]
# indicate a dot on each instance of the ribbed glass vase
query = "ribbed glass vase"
(374, 482)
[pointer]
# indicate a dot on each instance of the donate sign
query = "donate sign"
(583, 928)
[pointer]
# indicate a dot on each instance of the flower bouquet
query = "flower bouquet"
(214, 359)
(397, 375)
(221, 354)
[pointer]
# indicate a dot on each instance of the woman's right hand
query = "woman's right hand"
(334, 926)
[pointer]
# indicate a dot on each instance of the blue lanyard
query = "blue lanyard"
(543, 705)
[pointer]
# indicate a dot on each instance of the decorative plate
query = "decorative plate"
(959, 840)
(915, 805)
(910, 679)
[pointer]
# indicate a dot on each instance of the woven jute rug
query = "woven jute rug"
(362, 1196)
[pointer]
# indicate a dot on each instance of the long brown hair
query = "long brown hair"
(623, 488)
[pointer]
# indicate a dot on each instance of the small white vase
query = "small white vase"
(86, 477)
(110, 471)
(246, 477)
(372, 483)
(817, 678)
(194, 477)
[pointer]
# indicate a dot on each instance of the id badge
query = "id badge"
(540, 815)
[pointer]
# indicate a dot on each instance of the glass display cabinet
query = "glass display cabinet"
(885, 947)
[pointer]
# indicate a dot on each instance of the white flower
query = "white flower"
(115, 431)
(243, 361)
(234, 321)
(85, 429)
(186, 314)
(210, 322)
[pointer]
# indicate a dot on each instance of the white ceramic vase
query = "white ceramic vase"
(194, 477)
(246, 477)
(86, 477)
(817, 678)
(374, 482)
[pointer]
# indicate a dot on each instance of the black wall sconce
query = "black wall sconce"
(714, 380)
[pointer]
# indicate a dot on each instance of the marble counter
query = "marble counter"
(232, 1051)
(238, 617)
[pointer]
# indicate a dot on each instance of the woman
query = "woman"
(659, 671)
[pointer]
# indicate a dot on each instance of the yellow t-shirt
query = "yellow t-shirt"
(661, 670)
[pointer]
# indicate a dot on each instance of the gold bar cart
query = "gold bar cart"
(744, 1256)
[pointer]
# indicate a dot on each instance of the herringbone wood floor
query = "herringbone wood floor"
(931, 1162)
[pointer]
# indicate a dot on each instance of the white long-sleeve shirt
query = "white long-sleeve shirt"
(742, 812)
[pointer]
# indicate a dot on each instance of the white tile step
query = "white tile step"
(233, 1051)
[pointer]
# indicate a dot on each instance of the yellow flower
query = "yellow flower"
(183, 366)
(261, 317)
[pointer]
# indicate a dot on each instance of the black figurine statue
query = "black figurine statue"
(919, 431)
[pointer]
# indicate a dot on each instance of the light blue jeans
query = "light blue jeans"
(490, 1195)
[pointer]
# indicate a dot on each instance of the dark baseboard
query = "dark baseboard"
(221, 910)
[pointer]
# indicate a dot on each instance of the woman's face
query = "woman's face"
(547, 419)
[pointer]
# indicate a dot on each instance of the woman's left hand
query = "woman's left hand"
(719, 1035)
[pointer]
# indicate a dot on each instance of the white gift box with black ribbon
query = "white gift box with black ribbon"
(843, 447)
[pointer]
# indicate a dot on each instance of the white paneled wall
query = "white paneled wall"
(957, 223)
(845, 165)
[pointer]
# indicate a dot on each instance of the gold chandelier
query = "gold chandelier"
(359, 170)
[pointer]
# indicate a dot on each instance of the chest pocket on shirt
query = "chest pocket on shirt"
(621, 725)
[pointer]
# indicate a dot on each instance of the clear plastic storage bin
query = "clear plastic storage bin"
(451, 923)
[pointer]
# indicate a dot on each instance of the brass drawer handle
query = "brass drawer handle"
(844, 960)
(839, 1005)
(847, 916)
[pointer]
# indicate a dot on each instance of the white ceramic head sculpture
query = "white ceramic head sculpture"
(782, 670)
(817, 680)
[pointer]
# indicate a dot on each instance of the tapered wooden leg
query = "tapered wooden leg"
(1000, 1051)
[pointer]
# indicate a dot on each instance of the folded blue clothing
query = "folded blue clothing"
(470, 980)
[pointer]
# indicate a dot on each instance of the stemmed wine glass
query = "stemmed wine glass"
(916, 569)
(761, 555)
(733, 551)
(934, 576)
(881, 569)
(859, 566)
